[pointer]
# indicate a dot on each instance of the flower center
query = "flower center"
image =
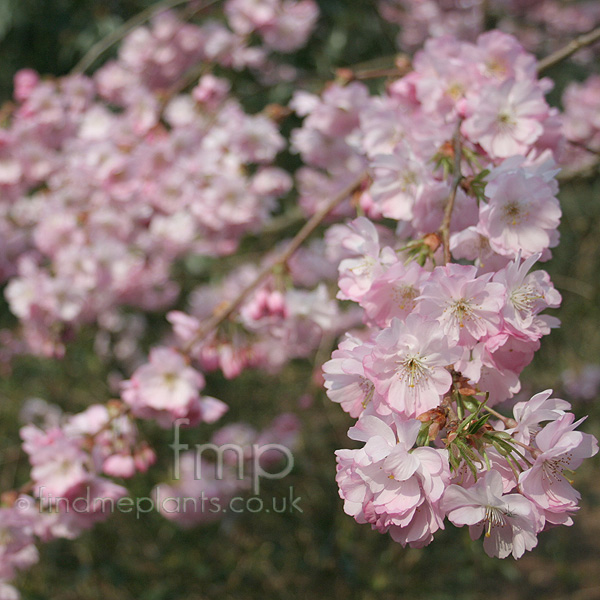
(456, 90)
(523, 298)
(495, 517)
(413, 370)
(407, 179)
(496, 67)
(513, 212)
(553, 469)
(365, 267)
(368, 389)
(404, 296)
(462, 310)
(505, 121)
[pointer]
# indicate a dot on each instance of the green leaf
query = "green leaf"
(477, 425)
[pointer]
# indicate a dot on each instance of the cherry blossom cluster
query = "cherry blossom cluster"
(107, 183)
(488, 89)
(535, 22)
(107, 180)
(275, 324)
(581, 103)
(472, 178)
(119, 205)
(72, 457)
(508, 483)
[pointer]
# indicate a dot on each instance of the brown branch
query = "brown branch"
(100, 47)
(585, 147)
(228, 309)
(445, 228)
(587, 39)
(284, 221)
(508, 422)
(400, 67)
(377, 73)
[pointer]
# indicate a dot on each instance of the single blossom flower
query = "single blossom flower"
(558, 448)
(509, 521)
(467, 307)
(521, 214)
(408, 364)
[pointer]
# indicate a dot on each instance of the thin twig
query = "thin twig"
(281, 259)
(508, 422)
(377, 73)
(107, 42)
(445, 228)
(400, 67)
(587, 39)
(585, 147)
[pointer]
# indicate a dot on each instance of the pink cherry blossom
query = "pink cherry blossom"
(510, 521)
(526, 296)
(345, 379)
(558, 447)
(468, 307)
(506, 120)
(397, 181)
(394, 293)
(357, 274)
(166, 388)
(521, 214)
(387, 484)
(408, 364)
(528, 415)
(60, 466)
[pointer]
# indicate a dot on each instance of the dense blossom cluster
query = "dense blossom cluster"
(124, 199)
(446, 342)
(274, 325)
(110, 183)
(535, 22)
(105, 183)
(581, 103)
(107, 180)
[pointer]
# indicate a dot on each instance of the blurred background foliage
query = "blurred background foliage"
(321, 552)
(51, 35)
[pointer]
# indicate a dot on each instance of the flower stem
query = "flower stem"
(445, 228)
(508, 422)
(99, 48)
(230, 307)
(587, 39)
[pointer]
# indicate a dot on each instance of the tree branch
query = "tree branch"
(445, 228)
(585, 147)
(587, 39)
(227, 310)
(105, 43)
